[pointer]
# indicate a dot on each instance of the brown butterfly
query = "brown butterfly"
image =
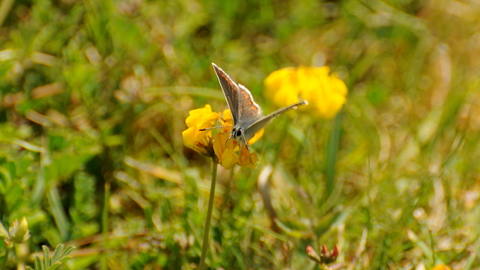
(247, 115)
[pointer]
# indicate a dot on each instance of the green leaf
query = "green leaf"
(67, 251)
(38, 264)
(57, 253)
(46, 257)
(55, 266)
(60, 256)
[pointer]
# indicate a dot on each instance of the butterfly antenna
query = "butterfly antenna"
(203, 129)
(246, 143)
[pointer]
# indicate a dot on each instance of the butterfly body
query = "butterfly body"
(247, 115)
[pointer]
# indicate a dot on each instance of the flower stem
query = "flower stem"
(209, 216)
(226, 194)
(332, 152)
(106, 198)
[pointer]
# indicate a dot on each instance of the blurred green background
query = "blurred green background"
(94, 95)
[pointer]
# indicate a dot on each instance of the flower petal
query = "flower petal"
(247, 159)
(325, 93)
(256, 137)
(193, 137)
(224, 150)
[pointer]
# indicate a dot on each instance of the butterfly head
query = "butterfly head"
(236, 133)
(240, 135)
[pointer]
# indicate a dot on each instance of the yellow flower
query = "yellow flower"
(247, 159)
(441, 267)
(325, 93)
(281, 87)
(224, 149)
(193, 138)
(226, 120)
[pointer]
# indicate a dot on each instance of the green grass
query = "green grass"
(94, 95)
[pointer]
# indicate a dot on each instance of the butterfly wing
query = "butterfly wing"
(260, 123)
(240, 101)
(230, 91)
(248, 110)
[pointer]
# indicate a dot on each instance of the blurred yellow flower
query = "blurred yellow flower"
(441, 267)
(193, 138)
(325, 93)
(224, 149)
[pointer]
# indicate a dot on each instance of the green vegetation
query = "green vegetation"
(94, 96)
(59, 256)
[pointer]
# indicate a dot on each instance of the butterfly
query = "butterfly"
(247, 115)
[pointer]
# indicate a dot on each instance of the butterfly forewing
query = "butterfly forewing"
(230, 90)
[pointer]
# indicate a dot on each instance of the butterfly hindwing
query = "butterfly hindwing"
(248, 110)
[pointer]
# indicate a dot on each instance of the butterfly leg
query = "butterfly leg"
(246, 143)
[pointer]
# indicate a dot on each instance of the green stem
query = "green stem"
(5, 258)
(104, 264)
(209, 216)
(332, 150)
(226, 194)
